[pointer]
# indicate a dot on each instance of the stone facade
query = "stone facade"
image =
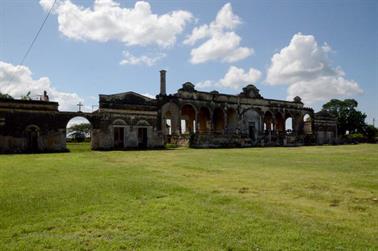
(188, 117)
(213, 119)
(30, 125)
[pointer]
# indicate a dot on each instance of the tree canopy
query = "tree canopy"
(84, 128)
(349, 118)
(5, 96)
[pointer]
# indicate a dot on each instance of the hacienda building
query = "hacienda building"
(188, 117)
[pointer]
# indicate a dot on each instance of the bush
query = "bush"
(355, 138)
(371, 134)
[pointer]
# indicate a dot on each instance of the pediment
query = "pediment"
(126, 98)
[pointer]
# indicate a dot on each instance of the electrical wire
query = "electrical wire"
(37, 34)
(33, 41)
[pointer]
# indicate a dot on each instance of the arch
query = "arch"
(119, 122)
(167, 123)
(79, 129)
(289, 126)
(170, 113)
(32, 133)
(307, 124)
(167, 114)
(268, 121)
(188, 116)
(142, 122)
(307, 117)
(204, 119)
(252, 123)
(32, 127)
(280, 122)
(218, 120)
(142, 129)
(232, 120)
(118, 129)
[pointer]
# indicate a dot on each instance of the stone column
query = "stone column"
(212, 126)
(225, 128)
(197, 121)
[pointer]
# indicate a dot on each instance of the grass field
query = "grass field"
(305, 198)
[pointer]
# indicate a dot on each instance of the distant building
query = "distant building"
(188, 117)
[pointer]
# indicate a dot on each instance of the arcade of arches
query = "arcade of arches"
(130, 120)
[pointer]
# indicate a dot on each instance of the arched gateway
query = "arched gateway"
(132, 121)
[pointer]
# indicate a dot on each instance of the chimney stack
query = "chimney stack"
(162, 83)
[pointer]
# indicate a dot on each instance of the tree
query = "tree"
(348, 117)
(5, 96)
(371, 133)
(84, 128)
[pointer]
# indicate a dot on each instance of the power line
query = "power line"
(37, 34)
(34, 39)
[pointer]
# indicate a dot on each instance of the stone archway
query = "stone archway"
(32, 133)
(232, 120)
(119, 130)
(78, 130)
(170, 121)
(307, 124)
(280, 122)
(289, 123)
(188, 116)
(268, 122)
(218, 120)
(204, 120)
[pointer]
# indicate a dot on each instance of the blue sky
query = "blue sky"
(323, 49)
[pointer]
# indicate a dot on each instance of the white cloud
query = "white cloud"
(305, 67)
(205, 84)
(234, 78)
(222, 42)
(107, 20)
(148, 95)
(237, 77)
(77, 121)
(129, 58)
(17, 81)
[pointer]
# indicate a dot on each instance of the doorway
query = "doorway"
(79, 134)
(142, 137)
(119, 137)
(251, 131)
(32, 139)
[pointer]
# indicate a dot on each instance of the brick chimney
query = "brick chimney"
(162, 83)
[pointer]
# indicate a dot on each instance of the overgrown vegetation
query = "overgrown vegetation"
(304, 198)
(5, 96)
(350, 121)
(79, 132)
(83, 127)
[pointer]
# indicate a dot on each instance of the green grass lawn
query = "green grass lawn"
(304, 198)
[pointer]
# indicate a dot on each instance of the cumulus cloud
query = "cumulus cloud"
(131, 59)
(222, 42)
(107, 20)
(148, 95)
(234, 78)
(238, 77)
(305, 67)
(17, 81)
(77, 121)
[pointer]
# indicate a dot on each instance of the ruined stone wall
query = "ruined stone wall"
(24, 131)
(255, 120)
(325, 128)
(131, 122)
